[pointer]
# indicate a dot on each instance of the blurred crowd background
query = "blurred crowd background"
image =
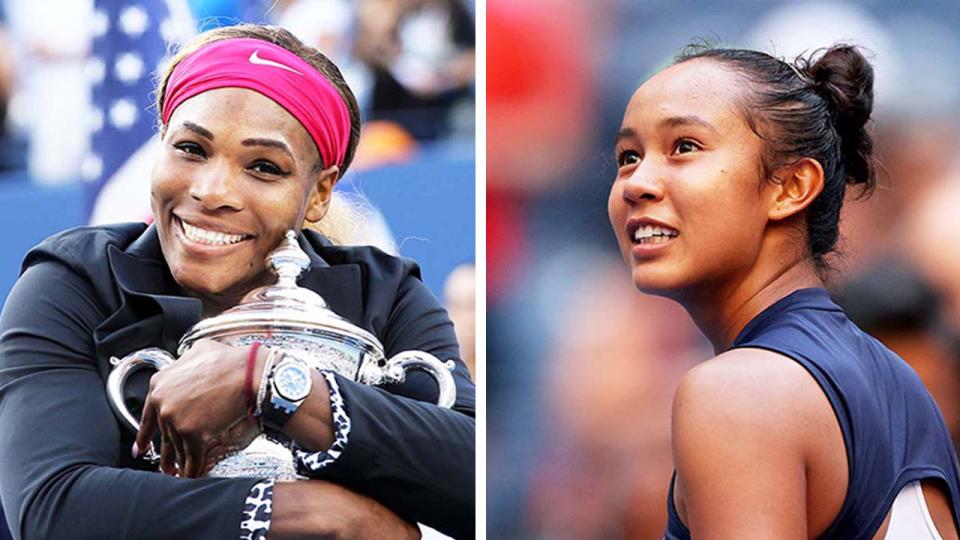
(581, 368)
(77, 118)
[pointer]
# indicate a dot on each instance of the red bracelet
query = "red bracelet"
(248, 382)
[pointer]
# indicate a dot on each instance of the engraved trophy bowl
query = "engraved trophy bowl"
(298, 322)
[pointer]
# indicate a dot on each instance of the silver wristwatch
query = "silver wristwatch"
(290, 384)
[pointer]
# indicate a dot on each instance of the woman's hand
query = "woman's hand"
(230, 442)
(197, 404)
(319, 509)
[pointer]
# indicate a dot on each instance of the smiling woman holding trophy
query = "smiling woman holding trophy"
(130, 348)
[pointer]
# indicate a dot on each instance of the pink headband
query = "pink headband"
(274, 72)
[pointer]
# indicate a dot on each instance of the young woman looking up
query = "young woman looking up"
(732, 169)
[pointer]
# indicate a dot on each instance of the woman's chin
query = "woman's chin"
(206, 283)
(657, 282)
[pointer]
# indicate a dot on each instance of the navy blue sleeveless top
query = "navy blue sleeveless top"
(893, 431)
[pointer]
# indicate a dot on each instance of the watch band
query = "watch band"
(289, 384)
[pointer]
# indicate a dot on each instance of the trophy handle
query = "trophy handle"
(154, 358)
(395, 371)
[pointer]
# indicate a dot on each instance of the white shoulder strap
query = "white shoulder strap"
(910, 518)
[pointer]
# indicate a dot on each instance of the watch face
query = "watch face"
(292, 381)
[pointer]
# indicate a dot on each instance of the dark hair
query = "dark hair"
(816, 109)
(285, 39)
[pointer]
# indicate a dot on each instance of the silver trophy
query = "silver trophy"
(298, 322)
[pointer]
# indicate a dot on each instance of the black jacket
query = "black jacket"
(91, 293)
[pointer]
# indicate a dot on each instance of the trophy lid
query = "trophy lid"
(281, 307)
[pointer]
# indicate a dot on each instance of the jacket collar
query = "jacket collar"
(154, 311)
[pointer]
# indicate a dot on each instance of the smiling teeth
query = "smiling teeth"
(649, 234)
(209, 237)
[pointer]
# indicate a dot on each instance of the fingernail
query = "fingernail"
(135, 450)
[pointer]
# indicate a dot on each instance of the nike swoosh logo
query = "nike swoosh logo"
(255, 59)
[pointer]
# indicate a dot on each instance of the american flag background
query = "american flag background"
(130, 42)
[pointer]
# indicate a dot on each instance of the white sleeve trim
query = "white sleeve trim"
(312, 462)
(257, 511)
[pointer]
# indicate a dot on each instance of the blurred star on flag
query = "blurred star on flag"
(130, 41)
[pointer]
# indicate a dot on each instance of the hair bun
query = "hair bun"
(844, 78)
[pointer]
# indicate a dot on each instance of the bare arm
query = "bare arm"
(744, 426)
(318, 509)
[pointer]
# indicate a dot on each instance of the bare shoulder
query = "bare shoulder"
(753, 394)
(750, 384)
(744, 427)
